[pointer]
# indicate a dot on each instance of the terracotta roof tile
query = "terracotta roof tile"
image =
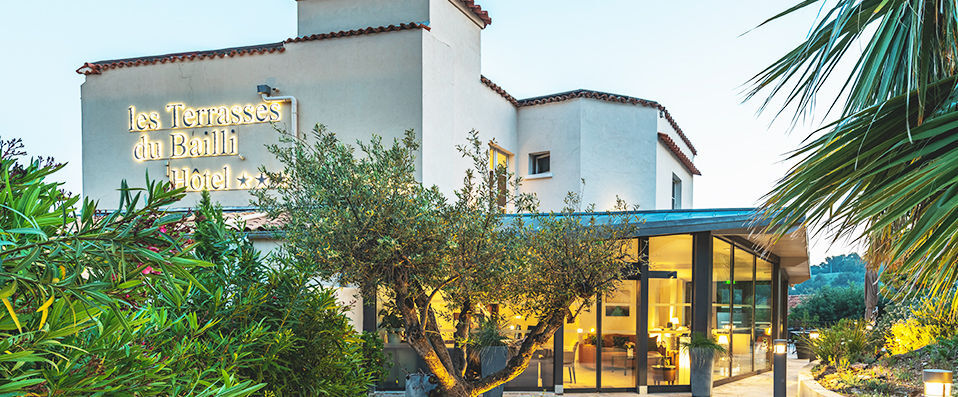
(499, 90)
(477, 10)
(98, 67)
(602, 96)
(359, 32)
(674, 148)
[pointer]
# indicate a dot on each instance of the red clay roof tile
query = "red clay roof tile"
(602, 96)
(98, 67)
(477, 10)
(674, 148)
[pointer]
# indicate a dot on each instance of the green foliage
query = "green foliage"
(912, 325)
(700, 341)
(313, 349)
(835, 271)
(847, 342)
(829, 305)
(116, 303)
(884, 169)
(905, 336)
(81, 292)
(359, 216)
(488, 333)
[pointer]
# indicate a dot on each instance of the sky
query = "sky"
(692, 56)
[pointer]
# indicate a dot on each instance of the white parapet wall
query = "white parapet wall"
(808, 387)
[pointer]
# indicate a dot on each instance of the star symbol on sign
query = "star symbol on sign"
(262, 179)
(242, 180)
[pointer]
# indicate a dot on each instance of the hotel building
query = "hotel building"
(202, 119)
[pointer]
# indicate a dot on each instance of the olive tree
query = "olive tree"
(361, 215)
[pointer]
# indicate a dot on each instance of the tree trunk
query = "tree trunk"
(871, 295)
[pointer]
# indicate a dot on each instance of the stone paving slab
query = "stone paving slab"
(758, 385)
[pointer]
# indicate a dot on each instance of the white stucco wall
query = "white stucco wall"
(357, 86)
(618, 142)
(666, 166)
(553, 128)
(456, 101)
(324, 16)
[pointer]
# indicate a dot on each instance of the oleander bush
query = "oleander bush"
(142, 302)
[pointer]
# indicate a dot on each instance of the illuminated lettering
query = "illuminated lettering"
(143, 121)
(195, 180)
(235, 116)
(147, 150)
(262, 112)
(210, 144)
(189, 117)
(174, 109)
(274, 109)
(182, 116)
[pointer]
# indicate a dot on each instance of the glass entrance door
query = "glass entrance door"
(670, 311)
(619, 337)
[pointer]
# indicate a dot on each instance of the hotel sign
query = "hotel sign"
(184, 132)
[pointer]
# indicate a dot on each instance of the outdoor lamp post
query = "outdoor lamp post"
(937, 382)
(778, 378)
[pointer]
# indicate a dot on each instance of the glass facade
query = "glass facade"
(742, 307)
(619, 335)
(721, 305)
(579, 350)
(743, 288)
(601, 349)
(670, 309)
(762, 335)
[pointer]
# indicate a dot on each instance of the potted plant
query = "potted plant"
(702, 351)
(493, 350)
(420, 384)
(393, 326)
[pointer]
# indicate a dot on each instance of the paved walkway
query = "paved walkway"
(758, 385)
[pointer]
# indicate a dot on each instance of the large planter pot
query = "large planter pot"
(493, 358)
(702, 360)
(419, 385)
(392, 338)
(802, 349)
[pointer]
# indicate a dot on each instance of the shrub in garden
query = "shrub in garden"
(117, 303)
(847, 342)
(83, 295)
(911, 325)
(314, 349)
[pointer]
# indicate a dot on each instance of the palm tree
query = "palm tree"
(885, 171)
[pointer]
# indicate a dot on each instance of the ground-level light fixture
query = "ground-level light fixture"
(937, 382)
(778, 375)
(781, 346)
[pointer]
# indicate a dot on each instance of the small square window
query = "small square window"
(539, 163)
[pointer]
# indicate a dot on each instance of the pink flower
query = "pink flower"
(147, 270)
(154, 249)
(163, 229)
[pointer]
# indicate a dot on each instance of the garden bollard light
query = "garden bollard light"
(778, 378)
(937, 382)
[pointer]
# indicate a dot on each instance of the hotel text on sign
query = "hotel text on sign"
(212, 133)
